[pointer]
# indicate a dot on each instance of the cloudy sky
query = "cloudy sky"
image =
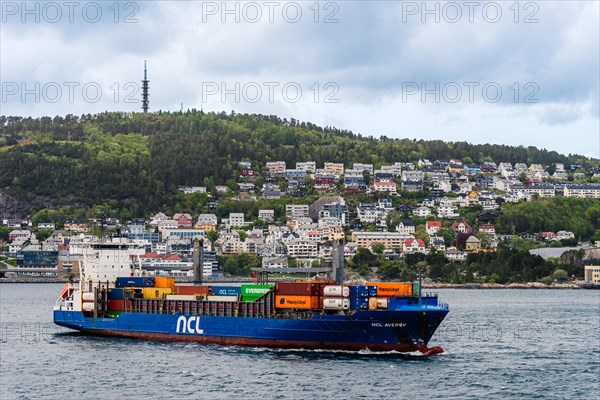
(517, 73)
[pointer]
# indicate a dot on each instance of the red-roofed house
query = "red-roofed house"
(413, 246)
(433, 227)
(462, 227)
(184, 220)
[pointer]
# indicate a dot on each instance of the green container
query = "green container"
(253, 292)
(415, 289)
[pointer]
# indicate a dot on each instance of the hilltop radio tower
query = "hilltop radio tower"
(145, 101)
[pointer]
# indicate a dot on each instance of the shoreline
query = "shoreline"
(475, 286)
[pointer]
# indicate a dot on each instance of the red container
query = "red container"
(298, 288)
(118, 305)
(191, 289)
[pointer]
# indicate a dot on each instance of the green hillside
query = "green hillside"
(137, 161)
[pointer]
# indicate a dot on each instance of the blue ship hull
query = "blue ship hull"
(405, 328)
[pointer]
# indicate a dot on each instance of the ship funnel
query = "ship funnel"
(338, 261)
(198, 260)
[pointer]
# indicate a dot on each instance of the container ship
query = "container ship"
(113, 298)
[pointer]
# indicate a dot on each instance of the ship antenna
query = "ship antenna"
(198, 258)
(338, 261)
(420, 282)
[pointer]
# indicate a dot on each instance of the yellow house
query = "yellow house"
(472, 243)
(592, 273)
(206, 227)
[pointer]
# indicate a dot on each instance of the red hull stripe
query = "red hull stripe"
(281, 344)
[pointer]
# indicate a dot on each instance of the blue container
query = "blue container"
(135, 281)
(115, 294)
(359, 303)
(359, 291)
(226, 290)
(372, 291)
(353, 291)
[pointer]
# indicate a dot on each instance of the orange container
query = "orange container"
(391, 289)
(297, 302)
(164, 282)
(183, 290)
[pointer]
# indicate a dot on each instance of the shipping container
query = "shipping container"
(371, 291)
(113, 314)
(134, 281)
(186, 297)
(164, 282)
(372, 303)
(254, 292)
(336, 291)
(359, 303)
(382, 303)
(155, 293)
(226, 290)
(87, 306)
(192, 289)
(331, 303)
(115, 294)
(415, 289)
(222, 298)
(299, 288)
(118, 305)
(389, 289)
(87, 296)
(297, 302)
(358, 291)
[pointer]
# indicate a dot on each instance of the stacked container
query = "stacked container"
(254, 292)
(155, 293)
(134, 282)
(335, 297)
(226, 290)
(392, 289)
(192, 290)
(298, 295)
(360, 295)
(164, 282)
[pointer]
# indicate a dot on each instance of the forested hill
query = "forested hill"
(118, 156)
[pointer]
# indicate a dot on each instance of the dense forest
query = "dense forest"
(135, 162)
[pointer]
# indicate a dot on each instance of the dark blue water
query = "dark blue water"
(515, 344)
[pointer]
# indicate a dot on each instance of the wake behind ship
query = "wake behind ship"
(112, 299)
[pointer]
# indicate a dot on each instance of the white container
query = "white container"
(382, 303)
(222, 298)
(87, 296)
(185, 297)
(87, 306)
(336, 291)
(336, 304)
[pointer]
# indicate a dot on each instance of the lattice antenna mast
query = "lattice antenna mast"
(145, 86)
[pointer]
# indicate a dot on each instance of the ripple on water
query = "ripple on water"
(499, 344)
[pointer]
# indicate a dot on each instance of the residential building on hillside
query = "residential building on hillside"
(308, 166)
(295, 211)
(406, 227)
(266, 215)
(591, 191)
(389, 240)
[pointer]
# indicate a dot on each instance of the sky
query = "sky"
(506, 72)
